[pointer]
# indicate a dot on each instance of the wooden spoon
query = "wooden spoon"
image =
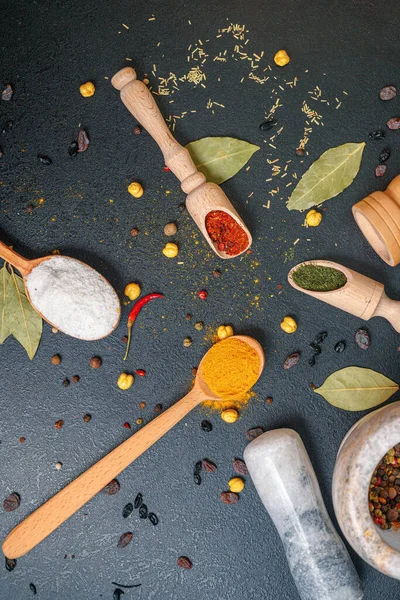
(43, 521)
(202, 197)
(25, 267)
(360, 296)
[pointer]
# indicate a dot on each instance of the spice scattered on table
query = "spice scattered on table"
(87, 89)
(254, 433)
(313, 218)
(59, 424)
(141, 373)
(56, 359)
(239, 466)
(11, 563)
(288, 325)
(226, 233)
(135, 231)
(281, 58)
(388, 93)
(138, 500)
(73, 149)
(66, 382)
(83, 141)
(32, 587)
(135, 310)
(230, 415)
(340, 346)
(208, 466)
(111, 488)
(268, 400)
(125, 381)
(216, 273)
(12, 502)
(267, 125)
(125, 539)
(384, 155)
(132, 290)
(380, 170)
(127, 510)
(229, 497)
(187, 342)
(206, 426)
(363, 339)
(318, 278)
(143, 512)
(95, 362)
(158, 408)
(137, 130)
(394, 123)
(384, 491)
(224, 331)
(199, 325)
(184, 562)
(170, 229)
(170, 250)
(135, 189)
(379, 134)
(87, 417)
(58, 466)
(202, 295)
(76, 379)
(45, 160)
(291, 360)
(236, 485)
(7, 93)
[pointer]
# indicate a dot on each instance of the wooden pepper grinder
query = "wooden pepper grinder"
(202, 197)
(378, 217)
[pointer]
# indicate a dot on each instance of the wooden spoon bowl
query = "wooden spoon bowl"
(44, 520)
(360, 296)
(25, 267)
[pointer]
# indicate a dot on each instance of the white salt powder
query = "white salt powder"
(74, 298)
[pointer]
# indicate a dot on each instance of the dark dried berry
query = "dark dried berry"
(7, 93)
(73, 149)
(127, 510)
(384, 155)
(206, 426)
(8, 125)
(208, 466)
(184, 562)
(87, 417)
(380, 170)
(117, 594)
(197, 467)
(137, 130)
(11, 563)
(311, 361)
(394, 123)
(268, 400)
(291, 360)
(66, 382)
(267, 125)
(12, 502)
(30, 208)
(59, 424)
(316, 348)
(111, 488)
(388, 93)
(33, 589)
(45, 160)
(135, 231)
(299, 151)
(76, 378)
(239, 466)
(181, 206)
(362, 339)
(153, 518)
(143, 511)
(320, 337)
(340, 346)
(138, 501)
(217, 273)
(252, 434)
(158, 408)
(229, 497)
(197, 479)
(376, 135)
(125, 539)
(83, 141)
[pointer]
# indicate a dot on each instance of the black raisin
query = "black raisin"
(11, 563)
(127, 510)
(384, 155)
(198, 467)
(197, 479)
(73, 149)
(138, 501)
(340, 346)
(206, 426)
(311, 361)
(143, 512)
(33, 589)
(316, 349)
(153, 518)
(320, 337)
(376, 135)
(45, 160)
(267, 125)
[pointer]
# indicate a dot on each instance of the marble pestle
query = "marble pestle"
(287, 485)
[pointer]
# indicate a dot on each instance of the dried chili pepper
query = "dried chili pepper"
(137, 307)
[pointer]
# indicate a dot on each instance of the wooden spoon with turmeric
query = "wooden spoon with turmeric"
(230, 367)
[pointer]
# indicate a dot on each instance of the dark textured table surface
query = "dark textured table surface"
(47, 50)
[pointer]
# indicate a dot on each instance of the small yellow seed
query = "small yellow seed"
(132, 290)
(87, 89)
(135, 189)
(281, 58)
(289, 325)
(224, 331)
(230, 415)
(187, 342)
(139, 421)
(125, 381)
(146, 81)
(313, 218)
(170, 250)
(236, 484)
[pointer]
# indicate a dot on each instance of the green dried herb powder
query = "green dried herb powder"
(318, 279)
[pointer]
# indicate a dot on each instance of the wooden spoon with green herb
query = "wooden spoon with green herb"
(346, 289)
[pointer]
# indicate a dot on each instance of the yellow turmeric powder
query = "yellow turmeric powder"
(230, 368)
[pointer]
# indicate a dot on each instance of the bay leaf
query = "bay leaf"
(220, 158)
(328, 176)
(356, 388)
(4, 327)
(23, 321)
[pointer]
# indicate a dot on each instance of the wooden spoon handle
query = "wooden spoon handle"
(16, 260)
(140, 102)
(389, 309)
(43, 521)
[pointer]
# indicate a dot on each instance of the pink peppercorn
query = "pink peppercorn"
(166, 169)
(202, 294)
(140, 372)
(127, 425)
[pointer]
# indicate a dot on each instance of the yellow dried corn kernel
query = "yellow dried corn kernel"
(170, 250)
(230, 415)
(224, 331)
(135, 189)
(281, 58)
(236, 484)
(313, 218)
(87, 89)
(132, 290)
(289, 325)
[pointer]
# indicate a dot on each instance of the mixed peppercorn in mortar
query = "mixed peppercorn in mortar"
(384, 491)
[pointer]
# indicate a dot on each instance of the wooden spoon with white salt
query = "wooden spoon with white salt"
(68, 294)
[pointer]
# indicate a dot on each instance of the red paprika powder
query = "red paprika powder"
(226, 232)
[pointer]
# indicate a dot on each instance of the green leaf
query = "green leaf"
(24, 322)
(4, 327)
(355, 388)
(333, 172)
(220, 158)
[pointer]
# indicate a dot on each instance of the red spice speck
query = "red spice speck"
(166, 169)
(140, 372)
(127, 425)
(279, 286)
(202, 294)
(22, 439)
(226, 232)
